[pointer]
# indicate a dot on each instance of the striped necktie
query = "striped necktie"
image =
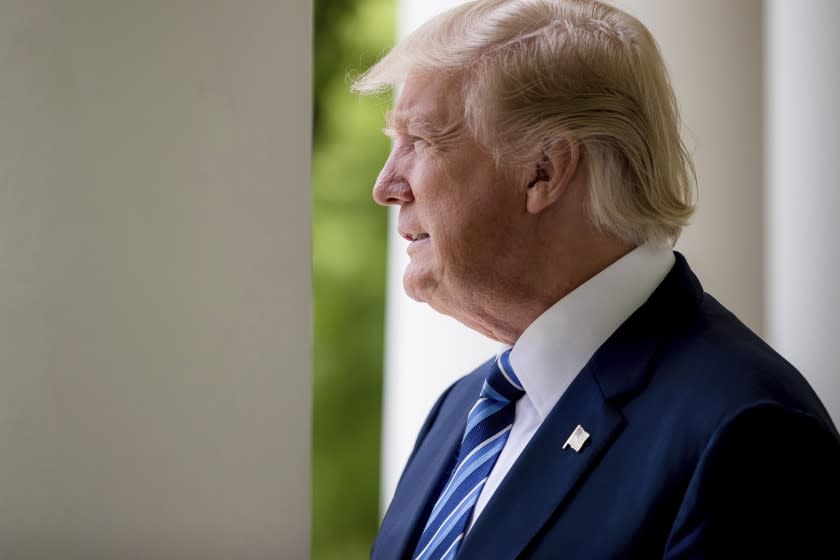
(488, 425)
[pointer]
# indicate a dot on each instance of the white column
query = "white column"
(714, 52)
(155, 279)
(803, 167)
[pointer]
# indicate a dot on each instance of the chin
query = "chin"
(411, 290)
(417, 285)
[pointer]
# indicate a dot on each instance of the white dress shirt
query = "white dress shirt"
(554, 348)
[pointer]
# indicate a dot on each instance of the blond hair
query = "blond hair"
(537, 71)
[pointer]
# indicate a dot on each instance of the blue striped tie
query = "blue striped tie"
(488, 425)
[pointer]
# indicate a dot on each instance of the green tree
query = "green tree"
(349, 237)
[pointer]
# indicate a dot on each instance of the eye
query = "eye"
(419, 145)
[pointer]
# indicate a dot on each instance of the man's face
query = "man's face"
(462, 217)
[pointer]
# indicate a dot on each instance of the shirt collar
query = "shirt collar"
(554, 348)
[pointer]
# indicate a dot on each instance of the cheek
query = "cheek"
(471, 241)
(464, 210)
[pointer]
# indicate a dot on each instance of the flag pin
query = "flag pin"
(577, 439)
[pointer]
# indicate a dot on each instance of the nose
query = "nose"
(391, 188)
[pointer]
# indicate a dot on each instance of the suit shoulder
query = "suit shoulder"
(724, 368)
(760, 488)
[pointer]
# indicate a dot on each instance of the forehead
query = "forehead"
(433, 99)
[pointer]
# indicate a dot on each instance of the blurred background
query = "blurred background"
(349, 274)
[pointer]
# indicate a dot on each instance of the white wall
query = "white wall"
(803, 167)
(154, 278)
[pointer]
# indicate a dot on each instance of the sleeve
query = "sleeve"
(767, 486)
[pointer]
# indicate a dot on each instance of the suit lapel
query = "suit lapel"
(422, 479)
(545, 474)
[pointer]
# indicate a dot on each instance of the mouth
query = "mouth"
(414, 236)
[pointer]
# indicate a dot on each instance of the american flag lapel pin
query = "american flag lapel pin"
(577, 439)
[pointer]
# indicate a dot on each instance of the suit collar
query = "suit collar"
(621, 365)
(556, 346)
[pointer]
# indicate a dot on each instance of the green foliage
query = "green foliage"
(349, 236)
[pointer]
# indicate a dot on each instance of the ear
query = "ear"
(553, 175)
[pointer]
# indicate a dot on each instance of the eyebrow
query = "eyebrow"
(408, 121)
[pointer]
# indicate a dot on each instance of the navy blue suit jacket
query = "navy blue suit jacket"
(704, 443)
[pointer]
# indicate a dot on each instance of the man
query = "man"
(541, 180)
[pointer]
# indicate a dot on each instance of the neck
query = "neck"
(505, 315)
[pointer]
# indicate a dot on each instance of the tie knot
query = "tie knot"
(501, 383)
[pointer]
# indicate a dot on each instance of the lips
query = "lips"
(414, 236)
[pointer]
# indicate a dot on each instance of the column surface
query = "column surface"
(155, 279)
(803, 230)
